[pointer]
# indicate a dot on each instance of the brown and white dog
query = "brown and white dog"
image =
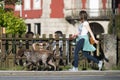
(41, 54)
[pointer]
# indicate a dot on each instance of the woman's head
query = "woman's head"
(83, 15)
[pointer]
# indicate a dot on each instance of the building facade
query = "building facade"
(48, 16)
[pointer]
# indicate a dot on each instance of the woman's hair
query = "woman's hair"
(83, 15)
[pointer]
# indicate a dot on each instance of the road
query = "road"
(67, 77)
(60, 75)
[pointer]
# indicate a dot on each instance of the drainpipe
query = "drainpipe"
(20, 7)
(113, 10)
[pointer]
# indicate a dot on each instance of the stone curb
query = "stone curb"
(58, 73)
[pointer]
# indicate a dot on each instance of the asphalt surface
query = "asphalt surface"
(60, 78)
(60, 75)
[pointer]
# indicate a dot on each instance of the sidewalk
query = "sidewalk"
(60, 73)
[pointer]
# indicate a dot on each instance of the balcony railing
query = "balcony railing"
(93, 13)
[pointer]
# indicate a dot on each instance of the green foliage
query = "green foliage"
(13, 24)
(10, 2)
(1, 0)
(1, 16)
(117, 25)
(1, 4)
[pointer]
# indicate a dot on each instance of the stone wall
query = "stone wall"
(110, 51)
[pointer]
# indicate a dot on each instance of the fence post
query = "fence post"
(67, 50)
(3, 43)
(6, 46)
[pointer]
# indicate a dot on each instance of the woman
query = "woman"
(83, 43)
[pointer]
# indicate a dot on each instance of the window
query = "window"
(37, 28)
(27, 4)
(17, 7)
(28, 27)
(36, 4)
(94, 8)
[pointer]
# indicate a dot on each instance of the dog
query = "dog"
(34, 56)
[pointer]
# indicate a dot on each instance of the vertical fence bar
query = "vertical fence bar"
(67, 51)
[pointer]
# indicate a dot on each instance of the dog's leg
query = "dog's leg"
(28, 65)
(52, 64)
(44, 61)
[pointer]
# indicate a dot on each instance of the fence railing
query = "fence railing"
(11, 44)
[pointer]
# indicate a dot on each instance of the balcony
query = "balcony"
(93, 14)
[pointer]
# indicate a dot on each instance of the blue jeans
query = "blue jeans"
(78, 47)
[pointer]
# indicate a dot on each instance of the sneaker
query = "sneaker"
(100, 65)
(73, 69)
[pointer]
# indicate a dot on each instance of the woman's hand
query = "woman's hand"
(72, 37)
(96, 41)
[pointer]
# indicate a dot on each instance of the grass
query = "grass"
(116, 68)
(12, 68)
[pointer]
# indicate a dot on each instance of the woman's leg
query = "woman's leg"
(100, 63)
(78, 47)
(90, 57)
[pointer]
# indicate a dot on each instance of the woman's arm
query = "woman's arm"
(91, 33)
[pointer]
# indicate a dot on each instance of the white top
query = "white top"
(82, 28)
